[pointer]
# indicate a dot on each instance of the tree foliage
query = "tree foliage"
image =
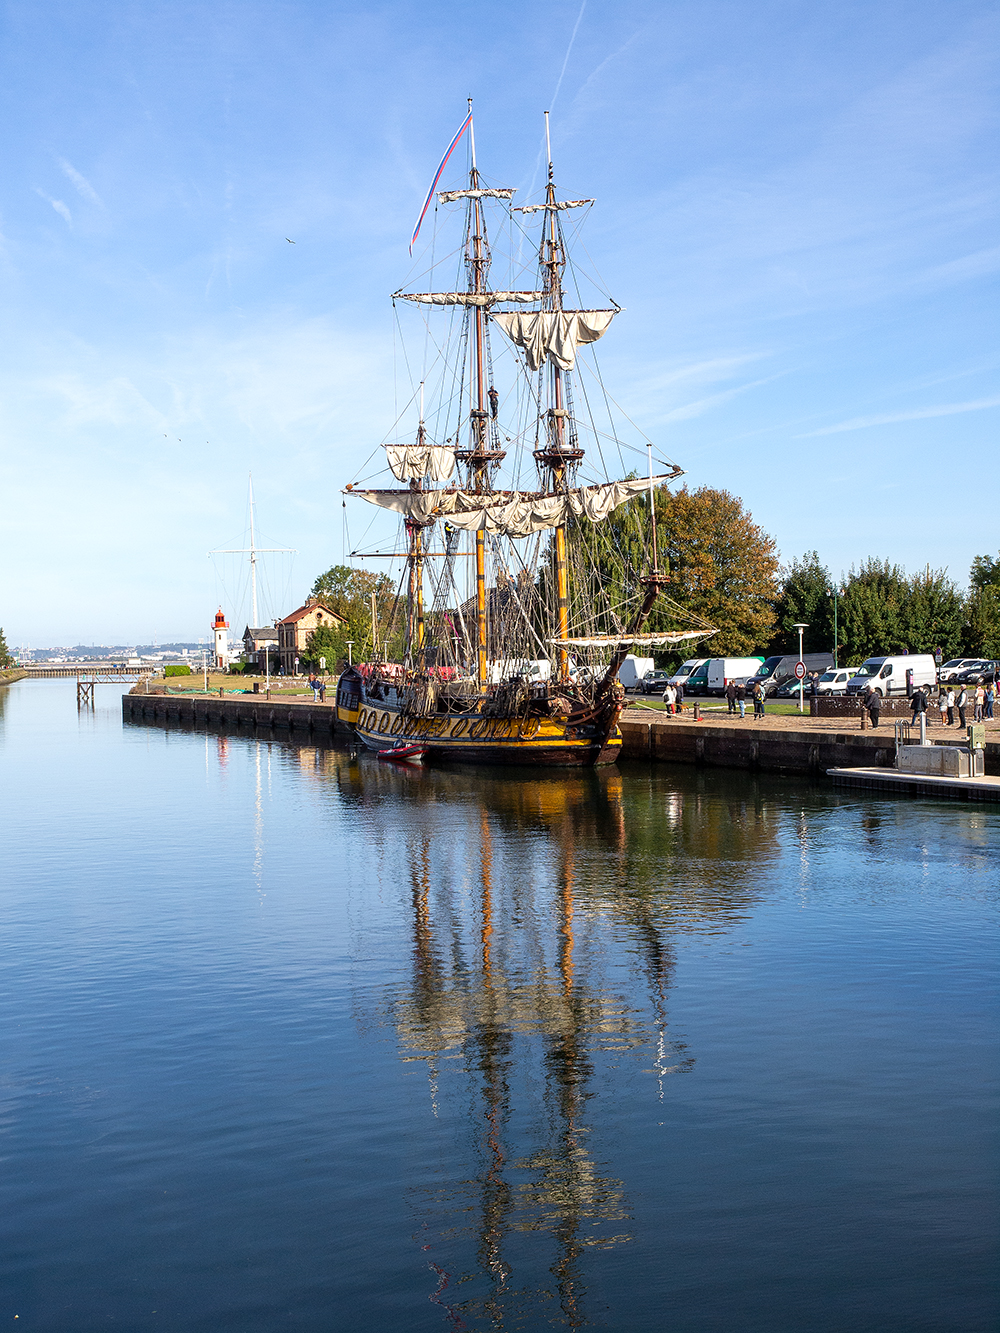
(882, 610)
(722, 567)
(806, 598)
(347, 592)
(985, 572)
(6, 660)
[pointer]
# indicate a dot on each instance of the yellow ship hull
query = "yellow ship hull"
(471, 738)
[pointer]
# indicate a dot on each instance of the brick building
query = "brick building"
(295, 629)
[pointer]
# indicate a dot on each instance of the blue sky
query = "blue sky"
(797, 207)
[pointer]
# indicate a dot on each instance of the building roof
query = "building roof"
(310, 607)
(265, 632)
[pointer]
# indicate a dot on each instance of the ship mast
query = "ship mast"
(556, 458)
(415, 589)
(480, 457)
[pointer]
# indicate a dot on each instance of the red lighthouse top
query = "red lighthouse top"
(220, 620)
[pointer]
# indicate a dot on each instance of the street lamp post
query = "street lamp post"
(350, 655)
(836, 663)
(801, 675)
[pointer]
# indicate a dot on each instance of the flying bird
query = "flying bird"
(289, 240)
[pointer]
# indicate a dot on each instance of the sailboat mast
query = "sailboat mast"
(415, 591)
(253, 561)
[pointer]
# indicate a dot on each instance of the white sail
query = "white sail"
(511, 513)
(621, 640)
(467, 298)
(553, 335)
(559, 204)
(411, 462)
(449, 196)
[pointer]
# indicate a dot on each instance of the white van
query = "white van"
(889, 675)
(680, 676)
(835, 681)
(632, 670)
(721, 670)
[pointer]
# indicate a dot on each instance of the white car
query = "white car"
(835, 680)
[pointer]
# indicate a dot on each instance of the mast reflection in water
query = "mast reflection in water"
(506, 1010)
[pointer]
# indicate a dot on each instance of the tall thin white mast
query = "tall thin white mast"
(253, 560)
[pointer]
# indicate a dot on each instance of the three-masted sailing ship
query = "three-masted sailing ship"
(525, 669)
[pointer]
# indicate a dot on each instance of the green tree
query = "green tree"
(982, 628)
(6, 660)
(347, 592)
(805, 598)
(933, 614)
(870, 611)
(722, 568)
(985, 572)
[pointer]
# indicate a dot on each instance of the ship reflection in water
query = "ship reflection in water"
(508, 1007)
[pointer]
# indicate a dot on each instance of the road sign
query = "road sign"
(800, 670)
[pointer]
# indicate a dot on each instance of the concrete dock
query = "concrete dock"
(917, 784)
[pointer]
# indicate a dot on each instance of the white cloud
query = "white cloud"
(82, 185)
(915, 414)
(57, 204)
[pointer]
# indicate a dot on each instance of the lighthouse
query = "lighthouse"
(220, 629)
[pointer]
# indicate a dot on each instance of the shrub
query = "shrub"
(177, 671)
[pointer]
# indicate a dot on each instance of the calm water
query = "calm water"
(292, 1040)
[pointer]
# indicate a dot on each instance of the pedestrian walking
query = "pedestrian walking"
(668, 699)
(741, 698)
(980, 700)
(731, 695)
(950, 700)
(679, 696)
(961, 703)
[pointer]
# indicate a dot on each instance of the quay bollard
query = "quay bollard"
(221, 691)
(923, 728)
(697, 712)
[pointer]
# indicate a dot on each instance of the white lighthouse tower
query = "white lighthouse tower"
(220, 629)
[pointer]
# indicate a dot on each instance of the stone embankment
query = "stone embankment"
(776, 744)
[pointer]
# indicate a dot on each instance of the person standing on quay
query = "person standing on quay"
(980, 699)
(679, 696)
(943, 704)
(950, 701)
(988, 701)
(758, 702)
(918, 705)
(875, 707)
(731, 696)
(961, 703)
(741, 699)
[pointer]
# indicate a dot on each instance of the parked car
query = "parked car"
(977, 672)
(777, 669)
(892, 675)
(948, 673)
(835, 680)
(653, 682)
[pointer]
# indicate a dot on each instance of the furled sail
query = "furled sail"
(449, 196)
(622, 640)
(559, 204)
(553, 335)
(467, 298)
(511, 513)
(410, 462)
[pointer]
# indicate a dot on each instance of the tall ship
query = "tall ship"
(519, 600)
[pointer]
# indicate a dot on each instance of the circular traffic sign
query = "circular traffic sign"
(800, 670)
